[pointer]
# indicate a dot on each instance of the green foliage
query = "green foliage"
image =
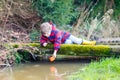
(117, 9)
(67, 11)
(57, 11)
(23, 56)
(106, 69)
(1, 4)
(98, 9)
(34, 35)
(15, 46)
(18, 58)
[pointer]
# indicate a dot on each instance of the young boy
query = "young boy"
(57, 37)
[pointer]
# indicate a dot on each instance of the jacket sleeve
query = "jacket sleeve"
(43, 40)
(57, 42)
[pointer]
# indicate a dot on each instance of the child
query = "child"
(57, 37)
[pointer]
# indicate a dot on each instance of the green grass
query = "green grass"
(106, 69)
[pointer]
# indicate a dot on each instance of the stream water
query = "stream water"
(42, 71)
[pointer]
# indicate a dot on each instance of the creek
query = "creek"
(44, 70)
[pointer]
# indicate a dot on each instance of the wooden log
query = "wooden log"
(68, 51)
(84, 50)
(74, 49)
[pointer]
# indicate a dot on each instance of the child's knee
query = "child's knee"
(68, 42)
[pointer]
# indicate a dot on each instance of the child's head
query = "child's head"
(45, 29)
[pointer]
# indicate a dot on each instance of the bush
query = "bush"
(57, 11)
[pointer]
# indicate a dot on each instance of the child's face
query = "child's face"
(46, 34)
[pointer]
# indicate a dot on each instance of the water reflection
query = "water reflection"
(56, 75)
(6, 73)
(41, 71)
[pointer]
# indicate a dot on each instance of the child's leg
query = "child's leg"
(75, 40)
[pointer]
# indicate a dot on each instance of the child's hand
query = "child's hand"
(44, 44)
(52, 58)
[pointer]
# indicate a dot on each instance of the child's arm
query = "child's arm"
(43, 41)
(57, 43)
(55, 53)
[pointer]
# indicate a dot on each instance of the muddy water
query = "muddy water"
(41, 71)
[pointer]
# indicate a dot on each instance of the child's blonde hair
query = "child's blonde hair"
(45, 27)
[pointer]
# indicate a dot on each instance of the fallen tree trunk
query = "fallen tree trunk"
(68, 51)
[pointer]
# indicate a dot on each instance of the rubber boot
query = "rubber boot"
(88, 42)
